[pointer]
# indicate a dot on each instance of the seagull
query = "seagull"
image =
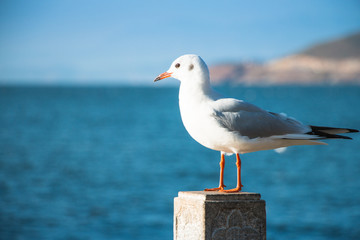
(233, 126)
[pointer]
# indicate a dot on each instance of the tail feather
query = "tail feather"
(330, 132)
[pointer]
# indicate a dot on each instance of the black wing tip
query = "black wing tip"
(334, 136)
(321, 132)
(318, 128)
(342, 137)
(323, 136)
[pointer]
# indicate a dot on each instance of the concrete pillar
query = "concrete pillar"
(219, 216)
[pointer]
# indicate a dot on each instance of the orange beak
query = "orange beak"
(162, 76)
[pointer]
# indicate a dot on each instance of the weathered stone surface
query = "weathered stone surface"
(213, 216)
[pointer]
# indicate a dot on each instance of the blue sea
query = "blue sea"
(106, 163)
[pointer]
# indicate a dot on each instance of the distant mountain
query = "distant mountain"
(348, 47)
(333, 62)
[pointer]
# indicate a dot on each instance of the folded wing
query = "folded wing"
(253, 122)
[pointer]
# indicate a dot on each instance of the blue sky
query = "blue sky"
(94, 41)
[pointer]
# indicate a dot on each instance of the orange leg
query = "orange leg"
(239, 185)
(221, 182)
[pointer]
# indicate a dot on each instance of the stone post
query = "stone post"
(219, 216)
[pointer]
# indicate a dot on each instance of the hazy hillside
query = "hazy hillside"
(333, 62)
(348, 47)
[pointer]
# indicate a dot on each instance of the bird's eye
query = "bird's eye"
(191, 67)
(177, 65)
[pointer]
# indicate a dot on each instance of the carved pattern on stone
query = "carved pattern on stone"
(232, 224)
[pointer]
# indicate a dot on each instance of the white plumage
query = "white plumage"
(230, 125)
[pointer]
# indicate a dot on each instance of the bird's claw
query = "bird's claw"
(237, 189)
(220, 188)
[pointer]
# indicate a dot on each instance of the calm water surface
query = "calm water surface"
(106, 163)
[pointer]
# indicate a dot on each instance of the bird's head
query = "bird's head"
(187, 68)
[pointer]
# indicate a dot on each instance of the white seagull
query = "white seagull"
(233, 126)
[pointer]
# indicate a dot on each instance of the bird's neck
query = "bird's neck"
(201, 91)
